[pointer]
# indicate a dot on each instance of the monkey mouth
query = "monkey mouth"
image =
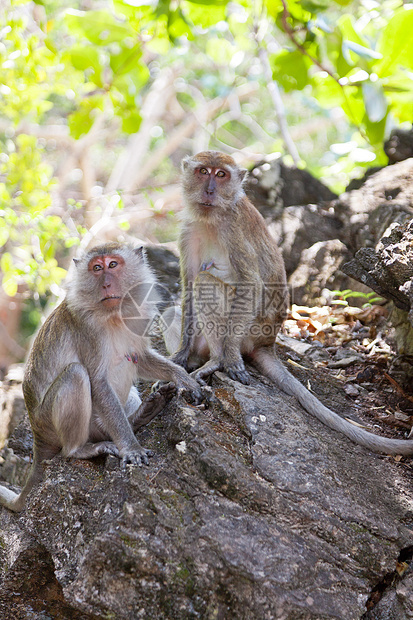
(206, 204)
(111, 300)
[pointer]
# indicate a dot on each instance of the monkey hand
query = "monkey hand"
(189, 388)
(152, 405)
(135, 456)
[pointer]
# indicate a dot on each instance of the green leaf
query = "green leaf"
(399, 93)
(290, 70)
(178, 26)
(6, 262)
(100, 27)
(82, 120)
(9, 284)
(195, 11)
(315, 6)
(396, 43)
(123, 61)
(131, 121)
(220, 50)
(84, 57)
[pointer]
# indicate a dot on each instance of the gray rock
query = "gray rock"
(249, 509)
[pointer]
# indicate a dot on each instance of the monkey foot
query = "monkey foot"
(237, 372)
(206, 371)
(138, 457)
(152, 405)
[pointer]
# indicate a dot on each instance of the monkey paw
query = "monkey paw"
(152, 405)
(206, 371)
(190, 390)
(138, 456)
(237, 372)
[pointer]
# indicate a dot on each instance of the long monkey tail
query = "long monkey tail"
(15, 501)
(272, 368)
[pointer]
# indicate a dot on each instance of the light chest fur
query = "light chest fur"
(121, 372)
(207, 251)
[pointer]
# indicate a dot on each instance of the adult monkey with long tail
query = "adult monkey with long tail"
(235, 292)
(78, 382)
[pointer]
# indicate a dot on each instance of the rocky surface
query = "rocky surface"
(360, 241)
(250, 508)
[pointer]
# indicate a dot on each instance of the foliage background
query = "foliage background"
(99, 100)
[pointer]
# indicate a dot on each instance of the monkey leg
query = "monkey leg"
(68, 403)
(222, 327)
(89, 450)
(133, 403)
(152, 405)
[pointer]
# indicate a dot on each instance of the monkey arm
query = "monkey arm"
(107, 407)
(189, 262)
(187, 326)
(152, 365)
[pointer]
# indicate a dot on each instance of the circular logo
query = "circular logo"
(147, 309)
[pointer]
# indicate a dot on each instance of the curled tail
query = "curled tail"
(272, 368)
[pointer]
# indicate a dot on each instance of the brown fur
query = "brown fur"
(78, 383)
(226, 250)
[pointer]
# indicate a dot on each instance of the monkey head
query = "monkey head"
(212, 183)
(104, 277)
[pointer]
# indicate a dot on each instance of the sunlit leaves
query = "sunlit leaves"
(83, 118)
(202, 16)
(87, 58)
(99, 27)
(396, 43)
(290, 69)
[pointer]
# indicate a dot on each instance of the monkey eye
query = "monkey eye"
(220, 173)
(113, 264)
(203, 171)
(97, 267)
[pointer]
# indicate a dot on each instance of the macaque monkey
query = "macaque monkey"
(78, 382)
(235, 293)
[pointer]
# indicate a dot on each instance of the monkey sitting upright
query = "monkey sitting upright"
(78, 382)
(234, 290)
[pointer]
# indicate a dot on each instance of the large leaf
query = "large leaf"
(81, 121)
(396, 43)
(200, 16)
(84, 58)
(290, 69)
(125, 59)
(100, 27)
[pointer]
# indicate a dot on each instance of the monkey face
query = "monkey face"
(212, 182)
(104, 276)
(107, 273)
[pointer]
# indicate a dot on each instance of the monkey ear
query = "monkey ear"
(185, 162)
(76, 261)
(243, 173)
(140, 252)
